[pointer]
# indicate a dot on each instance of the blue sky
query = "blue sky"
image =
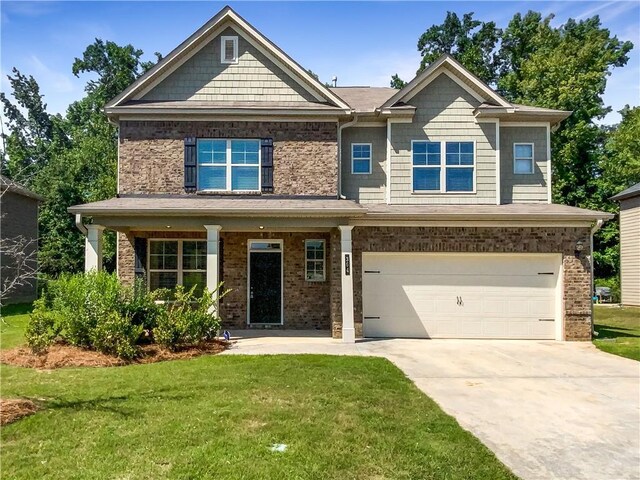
(362, 43)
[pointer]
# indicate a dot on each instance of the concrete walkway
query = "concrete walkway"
(547, 409)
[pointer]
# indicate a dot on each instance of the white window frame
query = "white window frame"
(223, 43)
(532, 158)
(229, 166)
(359, 144)
(180, 271)
(443, 168)
(324, 260)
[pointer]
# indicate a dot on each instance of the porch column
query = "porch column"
(348, 328)
(93, 248)
(213, 264)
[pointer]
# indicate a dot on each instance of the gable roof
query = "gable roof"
(633, 191)
(6, 184)
(445, 64)
(223, 19)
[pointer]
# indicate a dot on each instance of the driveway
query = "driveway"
(547, 409)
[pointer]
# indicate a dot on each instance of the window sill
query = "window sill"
(441, 194)
(228, 193)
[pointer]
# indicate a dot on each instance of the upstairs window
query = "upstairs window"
(229, 49)
(523, 158)
(228, 165)
(360, 158)
(431, 176)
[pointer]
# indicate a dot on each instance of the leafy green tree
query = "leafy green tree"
(469, 41)
(397, 82)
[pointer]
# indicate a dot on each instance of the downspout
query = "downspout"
(80, 225)
(594, 229)
(340, 128)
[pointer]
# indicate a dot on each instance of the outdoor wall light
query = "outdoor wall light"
(579, 247)
(261, 227)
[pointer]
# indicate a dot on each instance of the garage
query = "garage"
(435, 295)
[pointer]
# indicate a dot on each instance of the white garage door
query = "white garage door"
(424, 295)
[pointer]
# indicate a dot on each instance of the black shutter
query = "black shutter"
(190, 165)
(140, 249)
(267, 165)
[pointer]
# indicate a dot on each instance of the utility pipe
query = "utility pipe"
(594, 229)
(340, 128)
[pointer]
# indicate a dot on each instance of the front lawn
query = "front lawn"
(13, 323)
(618, 330)
(218, 416)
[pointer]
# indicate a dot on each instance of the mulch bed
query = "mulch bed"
(59, 356)
(12, 409)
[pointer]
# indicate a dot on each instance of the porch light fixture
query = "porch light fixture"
(579, 247)
(261, 227)
(168, 226)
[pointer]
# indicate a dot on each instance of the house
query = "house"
(629, 244)
(19, 242)
(420, 212)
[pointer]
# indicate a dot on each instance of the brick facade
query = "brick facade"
(151, 158)
(306, 304)
(576, 280)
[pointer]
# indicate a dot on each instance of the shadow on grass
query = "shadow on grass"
(17, 309)
(606, 331)
(111, 404)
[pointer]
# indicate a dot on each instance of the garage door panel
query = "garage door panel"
(423, 295)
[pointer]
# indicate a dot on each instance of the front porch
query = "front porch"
(284, 271)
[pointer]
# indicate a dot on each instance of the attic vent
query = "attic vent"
(229, 49)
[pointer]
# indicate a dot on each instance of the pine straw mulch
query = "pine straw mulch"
(60, 356)
(12, 409)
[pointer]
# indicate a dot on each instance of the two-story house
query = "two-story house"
(420, 212)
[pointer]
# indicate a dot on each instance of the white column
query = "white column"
(348, 327)
(93, 248)
(213, 264)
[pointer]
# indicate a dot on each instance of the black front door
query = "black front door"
(265, 287)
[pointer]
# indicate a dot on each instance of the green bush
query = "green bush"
(116, 335)
(42, 329)
(143, 307)
(187, 319)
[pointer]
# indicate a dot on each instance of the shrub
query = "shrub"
(116, 335)
(142, 306)
(188, 320)
(42, 329)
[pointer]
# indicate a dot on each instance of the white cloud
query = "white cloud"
(609, 11)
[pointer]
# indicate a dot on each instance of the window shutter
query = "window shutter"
(140, 250)
(190, 165)
(267, 165)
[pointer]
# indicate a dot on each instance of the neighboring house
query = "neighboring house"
(629, 244)
(421, 212)
(19, 241)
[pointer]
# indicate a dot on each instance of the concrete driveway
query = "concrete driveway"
(547, 409)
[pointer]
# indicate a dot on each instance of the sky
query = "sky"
(362, 43)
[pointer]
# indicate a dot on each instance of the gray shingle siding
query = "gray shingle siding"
(365, 188)
(254, 78)
(444, 112)
(523, 188)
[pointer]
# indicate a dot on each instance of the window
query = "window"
(523, 158)
(360, 158)
(426, 166)
(178, 262)
(229, 49)
(315, 259)
(431, 176)
(228, 165)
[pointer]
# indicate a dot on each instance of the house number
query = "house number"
(347, 264)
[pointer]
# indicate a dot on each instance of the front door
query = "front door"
(265, 282)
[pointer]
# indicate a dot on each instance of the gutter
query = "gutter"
(81, 225)
(340, 128)
(594, 229)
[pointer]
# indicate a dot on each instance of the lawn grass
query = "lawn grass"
(618, 330)
(12, 324)
(217, 417)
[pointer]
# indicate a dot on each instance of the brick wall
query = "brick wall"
(306, 304)
(577, 296)
(151, 158)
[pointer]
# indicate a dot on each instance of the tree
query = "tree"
(397, 82)
(469, 41)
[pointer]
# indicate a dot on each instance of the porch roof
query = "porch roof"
(220, 205)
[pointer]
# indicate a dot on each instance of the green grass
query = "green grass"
(618, 330)
(217, 416)
(12, 324)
